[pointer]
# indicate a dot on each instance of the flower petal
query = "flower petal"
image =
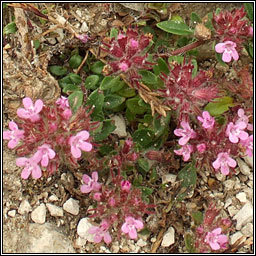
(95, 176)
(36, 172)
(226, 56)
(224, 169)
(85, 189)
(215, 246)
(234, 54)
(21, 161)
(125, 228)
(38, 106)
(85, 146)
(23, 113)
(107, 238)
(7, 135)
(231, 162)
(83, 134)
(220, 47)
(25, 173)
(27, 103)
(133, 233)
(13, 143)
(76, 152)
(13, 126)
(216, 164)
(138, 224)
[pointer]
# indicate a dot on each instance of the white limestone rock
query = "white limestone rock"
(54, 210)
(24, 207)
(120, 130)
(169, 178)
(244, 216)
(39, 214)
(71, 206)
(82, 229)
(169, 237)
(241, 196)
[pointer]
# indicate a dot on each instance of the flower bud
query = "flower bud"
(127, 146)
(97, 196)
(201, 147)
(112, 201)
(132, 157)
(125, 185)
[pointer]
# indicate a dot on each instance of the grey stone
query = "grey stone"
(169, 178)
(169, 237)
(236, 236)
(241, 196)
(24, 207)
(12, 213)
(71, 206)
(39, 214)
(244, 216)
(44, 238)
(54, 210)
(82, 229)
(139, 7)
(53, 198)
(120, 130)
(247, 230)
(244, 168)
(249, 160)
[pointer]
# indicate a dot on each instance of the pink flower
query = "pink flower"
(97, 196)
(14, 135)
(228, 49)
(185, 151)
(134, 44)
(216, 240)
(83, 37)
(78, 143)
(101, 233)
(207, 120)
(125, 185)
(30, 111)
(67, 113)
(235, 131)
(62, 102)
(250, 31)
(186, 133)
(44, 153)
(248, 144)
(90, 184)
(201, 147)
(244, 118)
(111, 201)
(130, 226)
(123, 66)
(224, 161)
(31, 167)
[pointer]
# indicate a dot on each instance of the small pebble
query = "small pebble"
(247, 230)
(169, 237)
(71, 206)
(39, 214)
(241, 197)
(12, 213)
(53, 198)
(141, 243)
(235, 237)
(54, 210)
(24, 207)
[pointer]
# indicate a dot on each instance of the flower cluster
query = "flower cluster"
(50, 136)
(213, 145)
(231, 29)
(119, 205)
(211, 235)
(184, 93)
(127, 50)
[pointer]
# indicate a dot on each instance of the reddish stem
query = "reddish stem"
(188, 47)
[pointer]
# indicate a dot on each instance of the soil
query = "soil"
(35, 81)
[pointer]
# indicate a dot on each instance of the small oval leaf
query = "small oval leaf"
(175, 27)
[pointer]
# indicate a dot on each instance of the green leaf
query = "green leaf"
(75, 100)
(118, 86)
(219, 59)
(91, 81)
(76, 79)
(137, 181)
(10, 28)
(113, 33)
(143, 137)
(188, 176)
(36, 44)
(143, 163)
(127, 92)
(219, 105)
(153, 175)
(75, 61)
(208, 24)
(134, 107)
(108, 127)
(129, 115)
(177, 18)
(250, 49)
(96, 99)
(195, 18)
(177, 28)
(189, 243)
(163, 67)
(194, 71)
(218, 10)
(178, 59)
(69, 88)
(197, 217)
(109, 82)
(97, 67)
(146, 191)
(249, 9)
(58, 70)
(112, 101)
